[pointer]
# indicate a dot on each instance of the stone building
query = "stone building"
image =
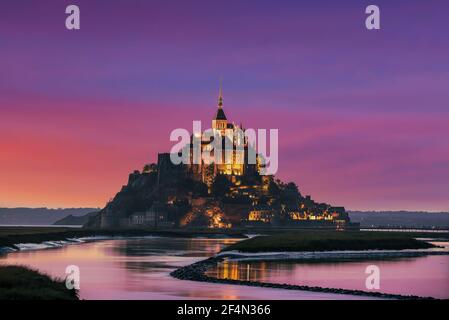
(158, 216)
(137, 219)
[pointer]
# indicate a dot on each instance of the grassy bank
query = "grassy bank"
(329, 241)
(20, 283)
(13, 235)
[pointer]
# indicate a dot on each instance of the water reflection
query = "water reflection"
(249, 271)
(139, 269)
(422, 276)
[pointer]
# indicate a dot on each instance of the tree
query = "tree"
(274, 189)
(290, 194)
(292, 187)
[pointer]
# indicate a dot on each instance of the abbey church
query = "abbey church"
(235, 158)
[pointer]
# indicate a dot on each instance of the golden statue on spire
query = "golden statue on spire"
(220, 94)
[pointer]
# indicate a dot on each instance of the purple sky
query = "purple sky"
(363, 116)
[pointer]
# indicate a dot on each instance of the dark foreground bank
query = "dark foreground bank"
(20, 283)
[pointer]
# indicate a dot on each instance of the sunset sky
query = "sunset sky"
(363, 116)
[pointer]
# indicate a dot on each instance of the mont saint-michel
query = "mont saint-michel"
(215, 193)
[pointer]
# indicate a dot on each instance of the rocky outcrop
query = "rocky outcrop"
(139, 194)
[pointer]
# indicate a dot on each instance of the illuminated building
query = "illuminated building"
(231, 160)
(261, 213)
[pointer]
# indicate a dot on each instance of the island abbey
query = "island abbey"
(222, 190)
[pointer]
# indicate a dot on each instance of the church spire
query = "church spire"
(220, 95)
(220, 113)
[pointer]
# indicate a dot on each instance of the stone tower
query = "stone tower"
(220, 122)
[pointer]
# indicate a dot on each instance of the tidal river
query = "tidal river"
(139, 269)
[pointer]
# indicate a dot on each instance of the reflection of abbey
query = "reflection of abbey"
(219, 190)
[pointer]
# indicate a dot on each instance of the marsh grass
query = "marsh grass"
(329, 241)
(22, 283)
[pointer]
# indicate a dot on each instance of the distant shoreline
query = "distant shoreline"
(401, 219)
(381, 229)
(395, 219)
